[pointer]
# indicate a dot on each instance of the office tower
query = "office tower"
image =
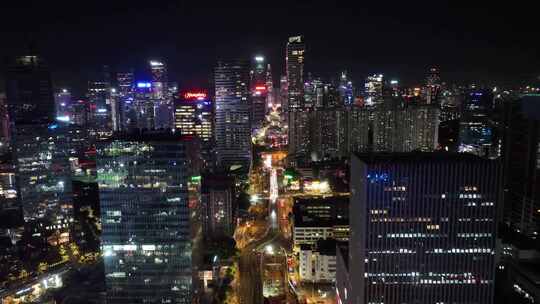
(320, 218)
(423, 228)
(4, 120)
(295, 71)
(80, 112)
(284, 93)
(259, 92)
(10, 208)
(219, 210)
(271, 94)
(299, 117)
(374, 90)
(233, 128)
(433, 86)
(62, 102)
(325, 133)
(475, 126)
(39, 146)
(145, 240)
(193, 114)
(100, 115)
(126, 92)
(163, 105)
(159, 82)
(521, 158)
(346, 90)
(142, 115)
(29, 91)
(41, 153)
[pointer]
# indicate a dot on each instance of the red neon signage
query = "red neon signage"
(260, 88)
(195, 95)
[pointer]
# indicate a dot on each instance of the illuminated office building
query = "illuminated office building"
(79, 112)
(346, 93)
(259, 92)
(423, 228)
(475, 127)
(433, 86)
(40, 147)
(193, 115)
(100, 114)
(41, 154)
(374, 90)
(299, 118)
(10, 208)
(4, 121)
(142, 115)
(146, 243)
(126, 92)
(232, 122)
(62, 102)
(218, 204)
(159, 79)
(295, 71)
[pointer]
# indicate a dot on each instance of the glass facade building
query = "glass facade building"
(423, 229)
(146, 239)
(41, 154)
(233, 127)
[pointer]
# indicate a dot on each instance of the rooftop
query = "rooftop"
(407, 157)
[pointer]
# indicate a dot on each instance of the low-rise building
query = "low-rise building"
(317, 218)
(318, 263)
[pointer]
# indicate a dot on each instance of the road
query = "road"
(263, 263)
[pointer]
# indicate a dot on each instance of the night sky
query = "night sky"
(480, 42)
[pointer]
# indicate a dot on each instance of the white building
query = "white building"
(318, 263)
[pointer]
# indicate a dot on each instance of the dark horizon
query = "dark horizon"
(479, 43)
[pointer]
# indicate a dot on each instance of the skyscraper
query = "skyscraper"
(41, 153)
(159, 79)
(126, 90)
(299, 116)
(193, 115)
(146, 240)
(521, 158)
(29, 91)
(374, 90)
(423, 229)
(62, 102)
(163, 104)
(259, 92)
(475, 126)
(295, 71)
(346, 93)
(100, 114)
(40, 148)
(233, 127)
(433, 86)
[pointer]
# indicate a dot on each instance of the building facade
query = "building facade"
(232, 122)
(423, 228)
(146, 241)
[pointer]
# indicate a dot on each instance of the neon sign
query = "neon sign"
(144, 85)
(195, 95)
(260, 88)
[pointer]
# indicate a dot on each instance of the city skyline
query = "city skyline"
(465, 42)
(380, 153)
